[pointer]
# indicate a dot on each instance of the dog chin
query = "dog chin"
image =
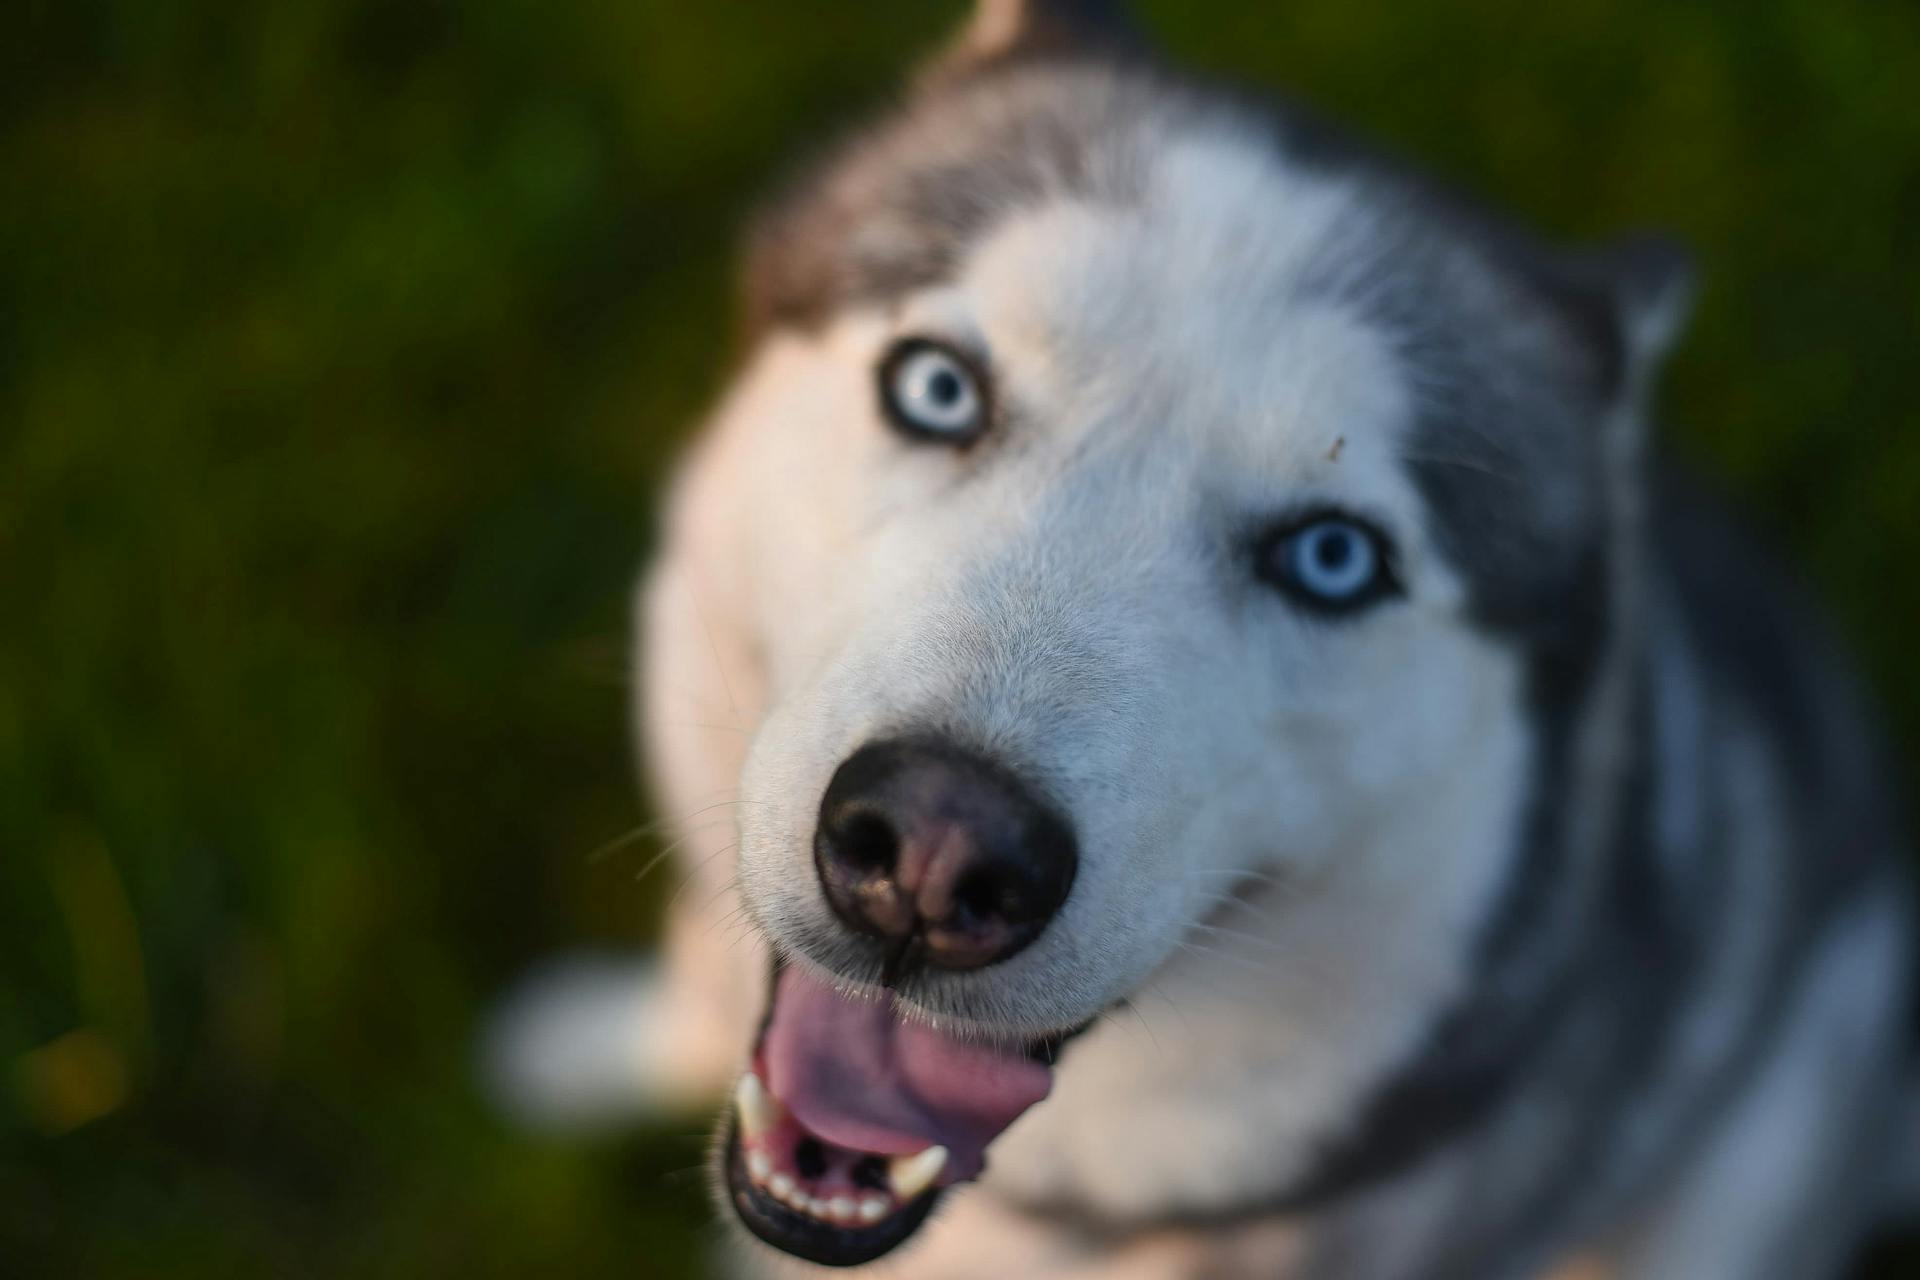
(853, 1119)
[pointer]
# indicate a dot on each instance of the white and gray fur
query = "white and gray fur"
(1547, 921)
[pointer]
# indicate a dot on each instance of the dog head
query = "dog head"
(1129, 496)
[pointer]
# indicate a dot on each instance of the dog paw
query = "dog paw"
(588, 1042)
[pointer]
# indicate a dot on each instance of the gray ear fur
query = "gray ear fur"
(1623, 305)
(1652, 282)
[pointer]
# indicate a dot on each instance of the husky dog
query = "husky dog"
(1231, 755)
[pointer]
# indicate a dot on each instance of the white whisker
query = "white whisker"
(694, 870)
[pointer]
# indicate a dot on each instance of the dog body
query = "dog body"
(1538, 914)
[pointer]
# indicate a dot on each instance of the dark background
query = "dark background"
(341, 346)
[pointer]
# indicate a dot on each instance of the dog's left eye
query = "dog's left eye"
(931, 392)
(1332, 562)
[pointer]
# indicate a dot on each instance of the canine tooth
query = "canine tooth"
(910, 1175)
(781, 1185)
(840, 1209)
(872, 1209)
(756, 1107)
(759, 1165)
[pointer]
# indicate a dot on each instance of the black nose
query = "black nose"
(943, 856)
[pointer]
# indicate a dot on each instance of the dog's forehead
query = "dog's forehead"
(1196, 309)
(1256, 219)
(896, 208)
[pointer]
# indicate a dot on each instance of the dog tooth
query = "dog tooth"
(910, 1175)
(872, 1209)
(781, 1185)
(840, 1209)
(759, 1165)
(758, 1110)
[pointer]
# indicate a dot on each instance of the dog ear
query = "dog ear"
(1653, 282)
(1007, 30)
(1622, 306)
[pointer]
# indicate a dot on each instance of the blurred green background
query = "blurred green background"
(342, 343)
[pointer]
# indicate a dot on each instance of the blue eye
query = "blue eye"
(930, 392)
(1332, 563)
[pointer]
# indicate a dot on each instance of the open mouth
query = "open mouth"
(851, 1120)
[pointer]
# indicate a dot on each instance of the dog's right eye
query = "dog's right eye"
(1329, 562)
(931, 392)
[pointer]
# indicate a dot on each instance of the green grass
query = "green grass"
(341, 349)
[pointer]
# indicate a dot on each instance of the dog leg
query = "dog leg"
(589, 1041)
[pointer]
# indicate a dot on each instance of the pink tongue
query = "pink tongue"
(856, 1076)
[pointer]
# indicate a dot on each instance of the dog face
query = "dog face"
(1112, 588)
(1123, 505)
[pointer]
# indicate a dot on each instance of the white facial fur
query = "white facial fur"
(1076, 596)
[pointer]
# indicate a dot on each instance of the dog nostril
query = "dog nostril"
(980, 897)
(867, 842)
